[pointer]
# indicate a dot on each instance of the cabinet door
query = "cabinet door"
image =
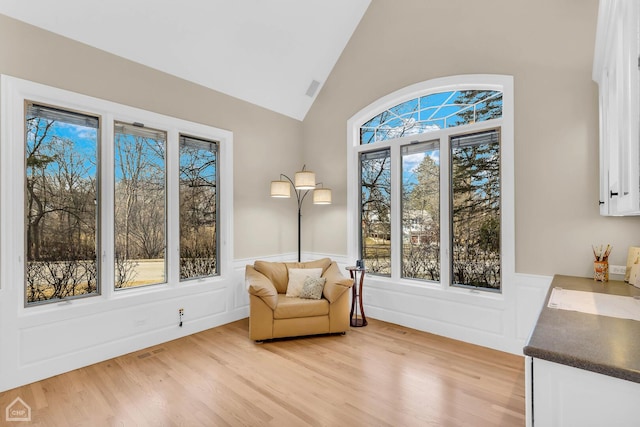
(627, 121)
(564, 396)
(620, 113)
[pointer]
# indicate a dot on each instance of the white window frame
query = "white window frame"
(503, 83)
(14, 92)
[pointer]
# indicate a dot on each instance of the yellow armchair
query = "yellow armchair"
(273, 314)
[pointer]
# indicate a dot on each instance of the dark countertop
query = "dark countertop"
(602, 344)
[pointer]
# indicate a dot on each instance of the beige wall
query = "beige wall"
(548, 47)
(263, 226)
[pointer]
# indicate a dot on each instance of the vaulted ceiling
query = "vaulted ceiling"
(266, 52)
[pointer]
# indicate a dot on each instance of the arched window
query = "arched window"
(431, 183)
(433, 112)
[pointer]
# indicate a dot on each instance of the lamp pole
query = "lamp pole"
(300, 195)
(303, 182)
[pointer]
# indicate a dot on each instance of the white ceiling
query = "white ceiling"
(266, 52)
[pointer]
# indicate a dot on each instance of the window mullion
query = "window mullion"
(445, 209)
(107, 211)
(172, 249)
(396, 213)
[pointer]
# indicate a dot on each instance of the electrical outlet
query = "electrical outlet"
(617, 269)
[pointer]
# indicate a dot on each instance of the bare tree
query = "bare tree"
(476, 215)
(60, 214)
(125, 271)
(131, 163)
(36, 161)
(198, 211)
(376, 212)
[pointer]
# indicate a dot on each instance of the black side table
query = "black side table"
(356, 300)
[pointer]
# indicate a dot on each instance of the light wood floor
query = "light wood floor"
(379, 375)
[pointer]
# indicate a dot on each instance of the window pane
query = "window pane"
(405, 107)
(475, 181)
(375, 212)
(478, 106)
(140, 230)
(421, 211)
(432, 112)
(61, 204)
(198, 208)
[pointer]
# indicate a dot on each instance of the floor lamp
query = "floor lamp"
(303, 182)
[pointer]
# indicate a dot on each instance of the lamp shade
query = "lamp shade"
(280, 189)
(305, 180)
(322, 196)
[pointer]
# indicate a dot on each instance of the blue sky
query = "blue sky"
(432, 112)
(84, 140)
(411, 161)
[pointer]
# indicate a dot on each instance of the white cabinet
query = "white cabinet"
(568, 397)
(616, 69)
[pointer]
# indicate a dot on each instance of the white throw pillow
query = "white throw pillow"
(297, 277)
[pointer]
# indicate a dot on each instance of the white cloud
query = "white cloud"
(411, 161)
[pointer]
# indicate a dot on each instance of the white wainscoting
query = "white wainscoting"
(502, 324)
(40, 342)
(37, 344)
